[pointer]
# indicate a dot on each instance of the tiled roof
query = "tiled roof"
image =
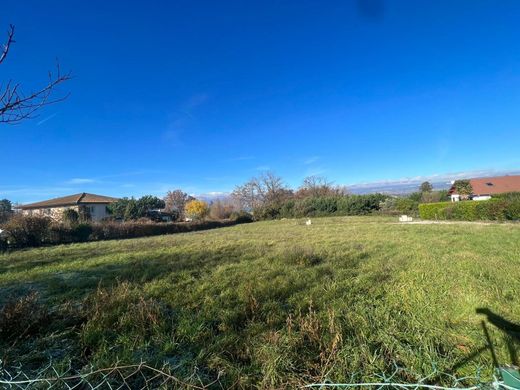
(70, 200)
(494, 185)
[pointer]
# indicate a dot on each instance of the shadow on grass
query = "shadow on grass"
(135, 267)
(510, 330)
(511, 333)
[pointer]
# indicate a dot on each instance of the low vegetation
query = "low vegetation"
(34, 231)
(502, 208)
(273, 304)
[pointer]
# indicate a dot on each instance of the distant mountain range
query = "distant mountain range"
(398, 187)
(395, 188)
(408, 185)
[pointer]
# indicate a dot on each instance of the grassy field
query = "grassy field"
(271, 304)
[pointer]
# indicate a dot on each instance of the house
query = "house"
(485, 187)
(95, 206)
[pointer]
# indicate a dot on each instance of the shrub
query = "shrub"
(512, 210)
(433, 210)
(302, 256)
(70, 216)
(21, 314)
(493, 209)
(3, 243)
(197, 209)
(25, 230)
(6, 210)
(220, 210)
(360, 204)
(241, 217)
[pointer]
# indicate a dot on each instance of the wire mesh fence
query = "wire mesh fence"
(120, 377)
(144, 376)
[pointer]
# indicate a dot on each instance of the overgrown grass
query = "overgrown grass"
(271, 304)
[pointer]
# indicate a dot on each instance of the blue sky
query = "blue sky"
(202, 95)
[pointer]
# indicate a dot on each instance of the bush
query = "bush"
(24, 231)
(21, 314)
(220, 210)
(360, 204)
(317, 206)
(196, 209)
(70, 216)
(496, 209)
(3, 243)
(241, 217)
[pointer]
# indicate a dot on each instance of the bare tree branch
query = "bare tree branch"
(15, 106)
(7, 45)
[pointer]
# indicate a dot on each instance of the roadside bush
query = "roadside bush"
(24, 231)
(493, 209)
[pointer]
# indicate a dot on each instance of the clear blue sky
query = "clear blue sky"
(202, 95)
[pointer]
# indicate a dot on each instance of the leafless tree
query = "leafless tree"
(319, 186)
(260, 191)
(175, 201)
(15, 105)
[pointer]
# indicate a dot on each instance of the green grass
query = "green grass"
(271, 304)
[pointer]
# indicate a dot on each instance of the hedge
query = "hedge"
(498, 209)
(25, 232)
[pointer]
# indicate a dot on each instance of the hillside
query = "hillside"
(270, 304)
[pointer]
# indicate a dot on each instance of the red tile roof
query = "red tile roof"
(493, 185)
(70, 200)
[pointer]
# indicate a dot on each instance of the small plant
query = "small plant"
(21, 317)
(302, 256)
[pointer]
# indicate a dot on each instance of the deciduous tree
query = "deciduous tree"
(175, 202)
(426, 187)
(5, 210)
(197, 209)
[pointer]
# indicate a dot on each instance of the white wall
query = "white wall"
(97, 211)
(483, 197)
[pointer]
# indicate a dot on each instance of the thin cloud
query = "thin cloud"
(79, 180)
(311, 160)
(46, 119)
